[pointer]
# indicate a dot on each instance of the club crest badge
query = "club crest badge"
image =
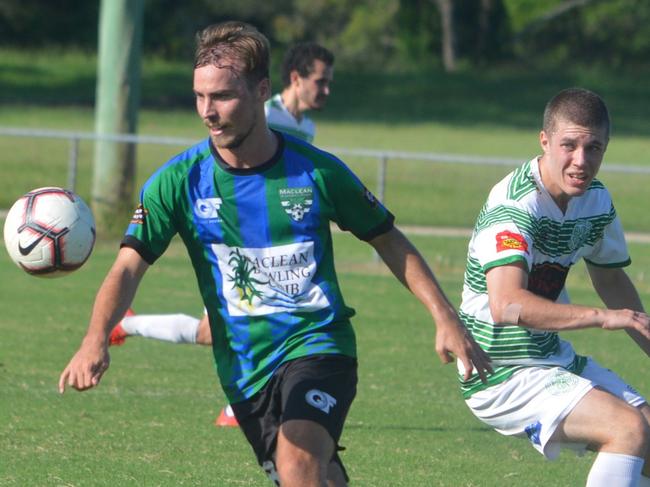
(580, 234)
(297, 201)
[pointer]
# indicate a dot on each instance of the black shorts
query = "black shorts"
(317, 388)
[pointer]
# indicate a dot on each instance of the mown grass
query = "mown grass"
(150, 421)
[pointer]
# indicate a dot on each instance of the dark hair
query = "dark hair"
(236, 45)
(301, 58)
(579, 106)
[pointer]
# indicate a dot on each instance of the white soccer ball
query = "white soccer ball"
(49, 232)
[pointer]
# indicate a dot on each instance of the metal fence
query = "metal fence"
(381, 156)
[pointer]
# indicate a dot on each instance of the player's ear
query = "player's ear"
(264, 89)
(544, 141)
(294, 76)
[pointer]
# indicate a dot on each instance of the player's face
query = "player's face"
(227, 106)
(572, 157)
(313, 90)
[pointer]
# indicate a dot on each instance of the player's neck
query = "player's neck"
(258, 148)
(292, 103)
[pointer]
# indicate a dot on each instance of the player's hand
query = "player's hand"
(86, 368)
(617, 319)
(455, 340)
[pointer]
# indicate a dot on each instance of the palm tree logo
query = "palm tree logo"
(242, 278)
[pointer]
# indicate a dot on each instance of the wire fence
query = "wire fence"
(382, 157)
(422, 189)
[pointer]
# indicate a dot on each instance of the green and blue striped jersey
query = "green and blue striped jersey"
(520, 222)
(260, 244)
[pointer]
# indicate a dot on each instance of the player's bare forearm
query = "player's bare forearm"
(511, 302)
(406, 263)
(89, 363)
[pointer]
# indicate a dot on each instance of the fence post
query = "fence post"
(73, 164)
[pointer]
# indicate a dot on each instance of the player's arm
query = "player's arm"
(617, 291)
(406, 263)
(511, 302)
(115, 295)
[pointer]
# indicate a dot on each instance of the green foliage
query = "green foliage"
(396, 35)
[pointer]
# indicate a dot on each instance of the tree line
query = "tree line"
(371, 34)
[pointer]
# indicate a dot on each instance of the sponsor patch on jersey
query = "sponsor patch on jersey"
(507, 240)
(262, 281)
(207, 208)
(296, 201)
(370, 197)
(139, 215)
(547, 279)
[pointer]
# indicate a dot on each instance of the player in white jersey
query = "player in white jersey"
(307, 71)
(537, 222)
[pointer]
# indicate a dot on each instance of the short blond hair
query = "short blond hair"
(236, 45)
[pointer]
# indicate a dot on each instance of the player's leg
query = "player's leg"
(613, 428)
(294, 423)
(645, 473)
(203, 333)
(605, 423)
(316, 395)
(175, 328)
(303, 454)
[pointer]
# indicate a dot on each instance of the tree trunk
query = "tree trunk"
(446, 8)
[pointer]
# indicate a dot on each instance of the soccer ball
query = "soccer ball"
(49, 232)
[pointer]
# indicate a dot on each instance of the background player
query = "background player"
(536, 223)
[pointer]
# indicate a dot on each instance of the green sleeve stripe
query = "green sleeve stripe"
(625, 263)
(505, 261)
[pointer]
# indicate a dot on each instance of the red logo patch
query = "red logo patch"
(511, 241)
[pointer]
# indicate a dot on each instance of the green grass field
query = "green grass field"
(150, 421)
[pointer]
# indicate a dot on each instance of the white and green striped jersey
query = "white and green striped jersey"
(279, 118)
(520, 222)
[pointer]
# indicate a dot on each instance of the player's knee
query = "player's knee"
(299, 467)
(634, 430)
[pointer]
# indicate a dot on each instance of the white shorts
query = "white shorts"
(535, 400)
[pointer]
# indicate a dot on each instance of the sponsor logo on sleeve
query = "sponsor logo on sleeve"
(370, 197)
(507, 240)
(139, 215)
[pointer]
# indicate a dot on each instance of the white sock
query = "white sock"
(615, 469)
(178, 328)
